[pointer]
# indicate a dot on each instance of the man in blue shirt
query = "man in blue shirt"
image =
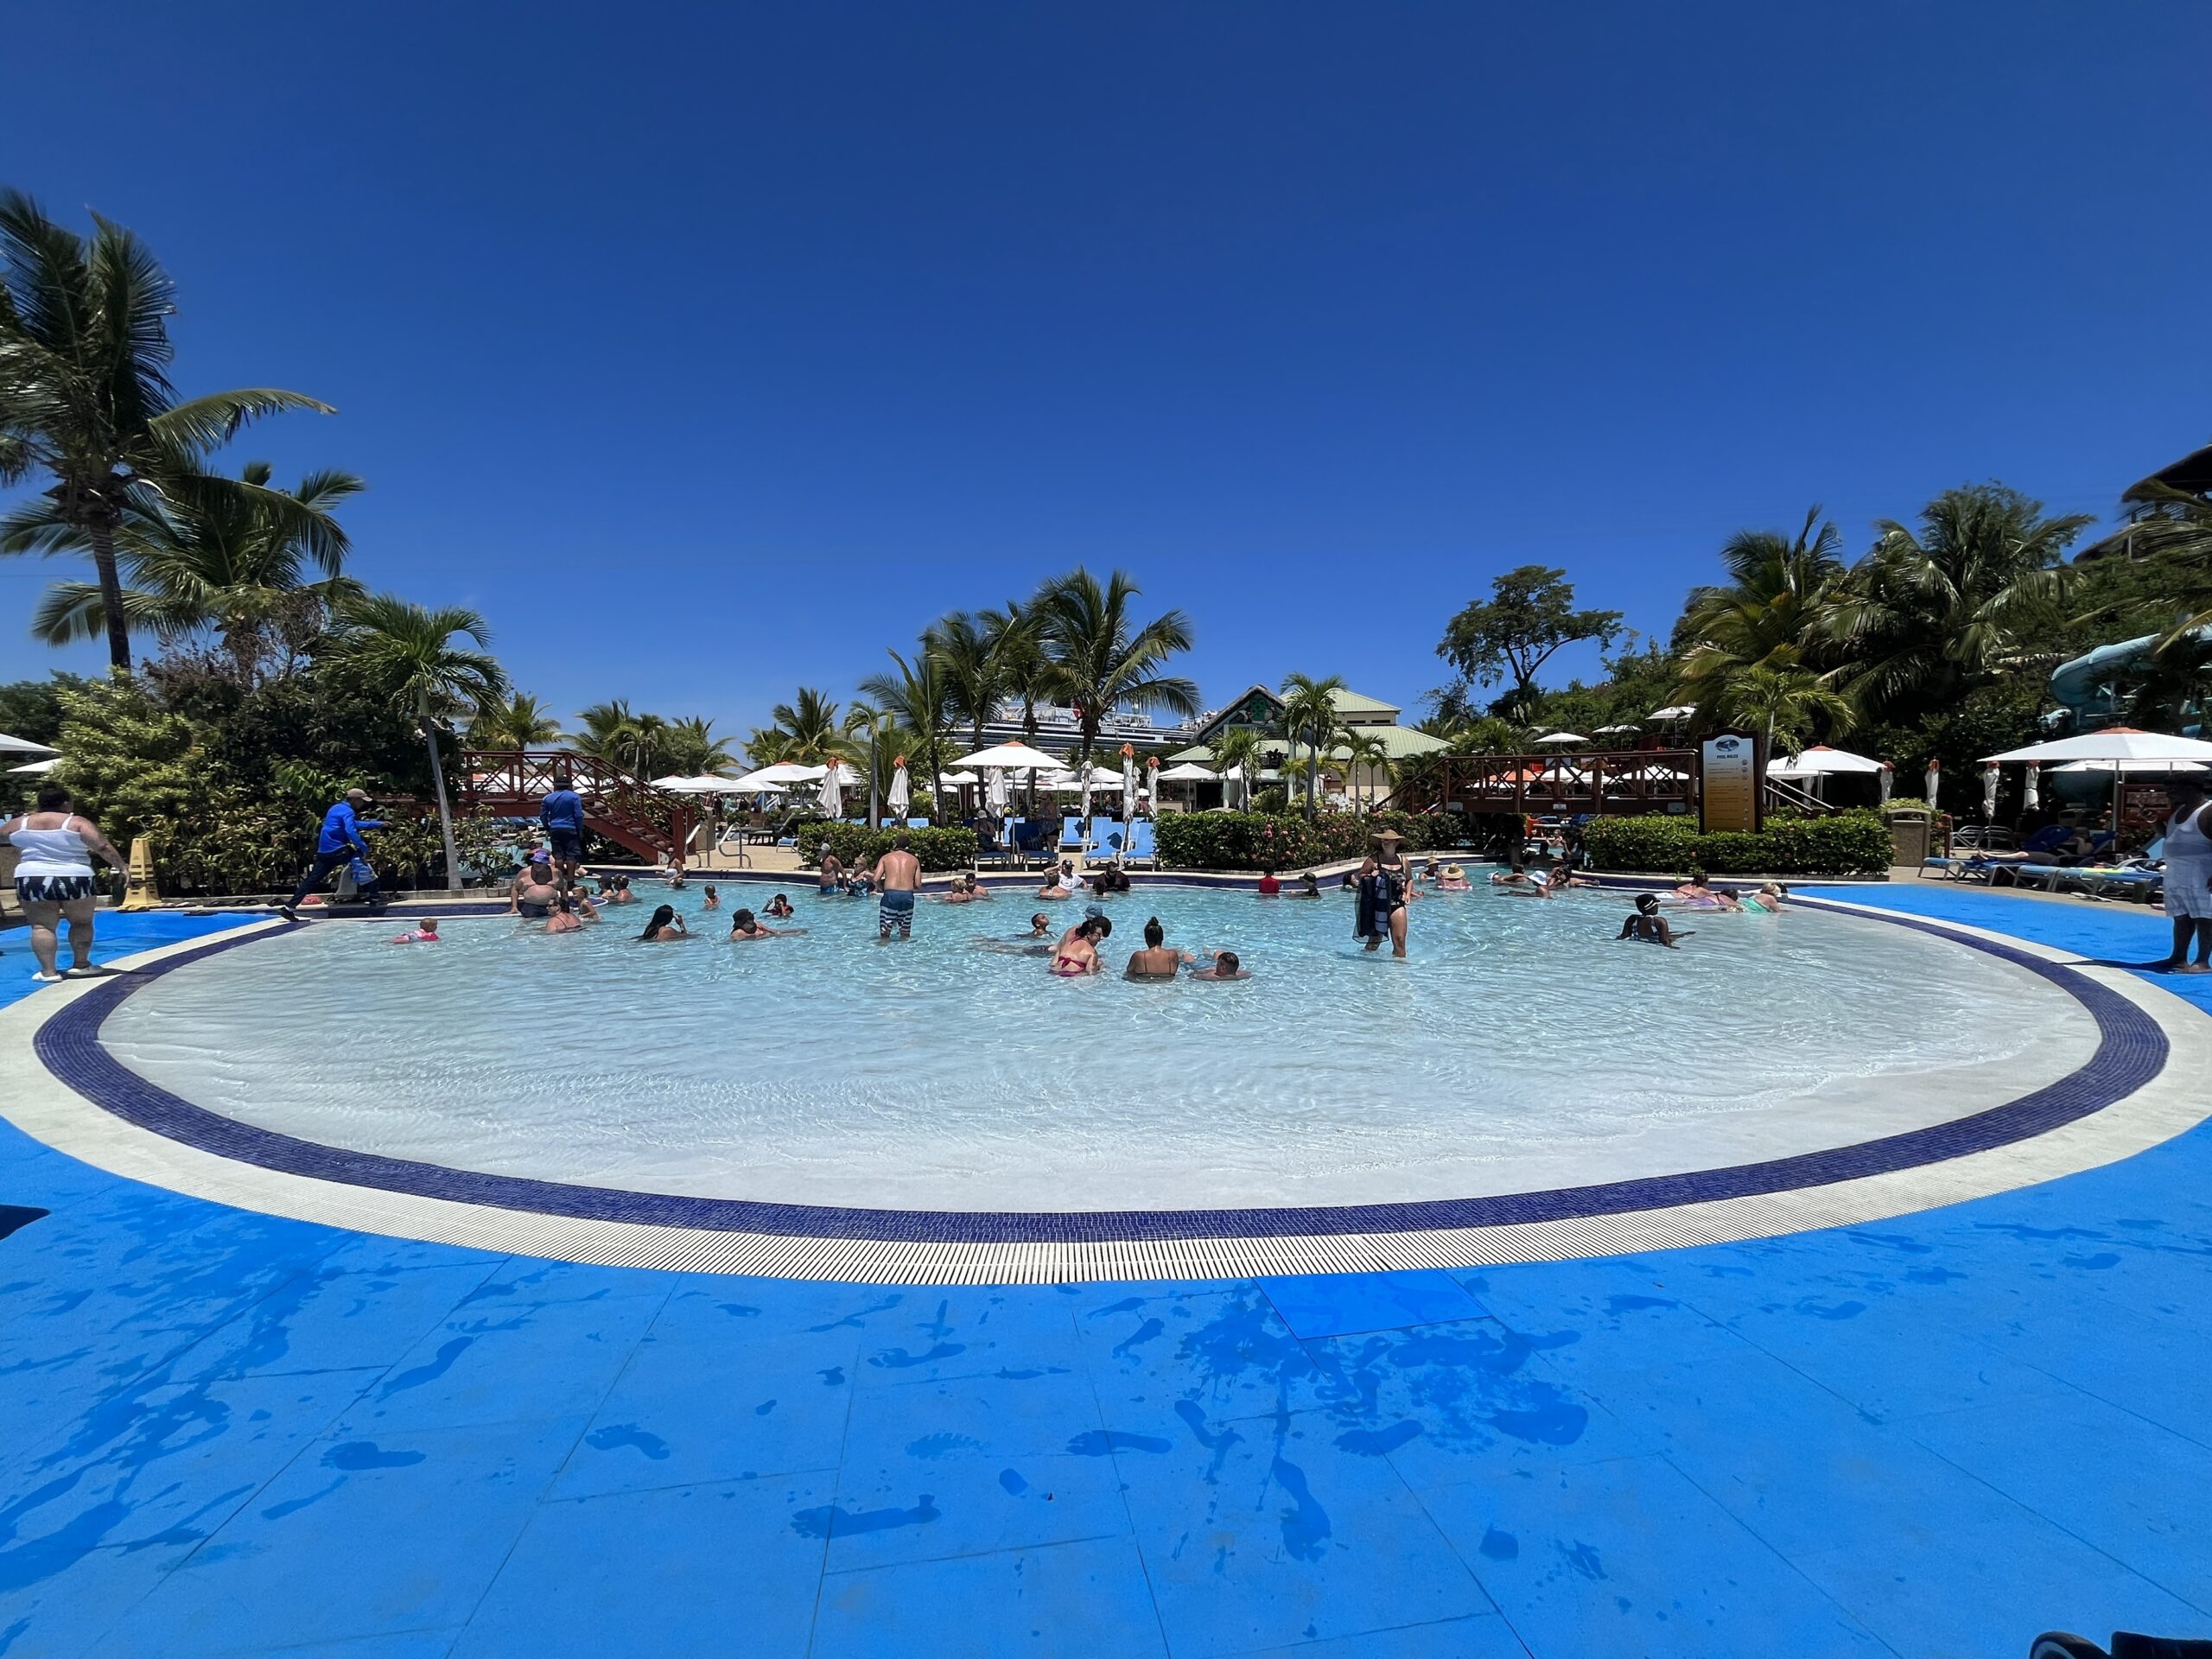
(340, 843)
(561, 815)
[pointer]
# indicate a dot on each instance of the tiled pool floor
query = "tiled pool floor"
(225, 1434)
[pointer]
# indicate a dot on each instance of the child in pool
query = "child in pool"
(424, 933)
(1224, 964)
(778, 907)
(710, 899)
(1647, 924)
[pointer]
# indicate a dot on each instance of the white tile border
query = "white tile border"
(2177, 1100)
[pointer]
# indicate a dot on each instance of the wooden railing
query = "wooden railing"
(1614, 781)
(511, 784)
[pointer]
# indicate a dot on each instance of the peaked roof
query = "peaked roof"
(1351, 702)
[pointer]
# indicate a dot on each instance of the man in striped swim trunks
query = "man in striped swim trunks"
(898, 877)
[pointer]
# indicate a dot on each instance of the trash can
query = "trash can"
(1911, 836)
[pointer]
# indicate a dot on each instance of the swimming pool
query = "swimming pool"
(1520, 1049)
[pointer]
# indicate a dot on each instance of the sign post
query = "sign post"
(1732, 782)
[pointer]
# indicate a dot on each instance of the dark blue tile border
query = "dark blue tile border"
(2131, 1050)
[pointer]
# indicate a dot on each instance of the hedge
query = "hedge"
(1286, 841)
(951, 848)
(1843, 843)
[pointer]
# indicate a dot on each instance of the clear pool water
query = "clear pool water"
(1519, 1048)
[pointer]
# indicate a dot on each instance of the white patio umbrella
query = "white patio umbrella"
(2123, 744)
(1934, 777)
(38, 768)
(2160, 768)
(23, 745)
(1014, 757)
(1989, 774)
(2030, 789)
(1129, 787)
(1562, 737)
(1678, 711)
(1821, 762)
(1189, 772)
(956, 779)
(901, 791)
(998, 796)
(1152, 789)
(1610, 731)
(784, 772)
(1890, 775)
(832, 797)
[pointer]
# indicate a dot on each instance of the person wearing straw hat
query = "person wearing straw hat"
(1389, 885)
(2189, 873)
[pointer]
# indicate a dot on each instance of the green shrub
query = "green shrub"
(1843, 843)
(949, 849)
(1286, 841)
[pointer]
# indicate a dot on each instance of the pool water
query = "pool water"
(1520, 1048)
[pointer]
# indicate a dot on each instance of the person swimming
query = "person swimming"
(1155, 961)
(423, 932)
(743, 924)
(1767, 901)
(779, 907)
(665, 927)
(1040, 927)
(1078, 953)
(710, 899)
(1647, 924)
(1222, 965)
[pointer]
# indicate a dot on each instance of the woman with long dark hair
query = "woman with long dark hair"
(665, 926)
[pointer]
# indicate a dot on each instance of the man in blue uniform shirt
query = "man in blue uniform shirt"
(340, 843)
(561, 816)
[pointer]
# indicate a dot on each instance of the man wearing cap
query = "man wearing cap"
(340, 843)
(562, 816)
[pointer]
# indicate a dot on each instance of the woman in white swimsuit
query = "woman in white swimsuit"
(2189, 876)
(53, 877)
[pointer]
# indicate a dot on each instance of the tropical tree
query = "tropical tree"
(806, 733)
(1309, 716)
(1932, 613)
(1367, 749)
(1242, 750)
(1099, 658)
(692, 749)
(521, 722)
(1775, 612)
(1530, 616)
(409, 651)
(2169, 535)
(208, 557)
(1783, 704)
(966, 650)
(915, 702)
(85, 399)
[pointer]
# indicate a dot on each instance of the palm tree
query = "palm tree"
(965, 649)
(1097, 659)
(916, 702)
(1024, 673)
(521, 722)
(2171, 530)
(1775, 612)
(85, 397)
(1368, 750)
(1783, 703)
(209, 556)
(693, 749)
(1240, 749)
(1309, 715)
(806, 733)
(407, 650)
(1929, 615)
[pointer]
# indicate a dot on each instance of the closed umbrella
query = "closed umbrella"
(1934, 777)
(998, 793)
(1989, 789)
(901, 791)
(1889, 778)
(1129, 783)
(1152, 779)
(2031, 788)
(832, 797)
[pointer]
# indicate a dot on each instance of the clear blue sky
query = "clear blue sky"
(711, 349)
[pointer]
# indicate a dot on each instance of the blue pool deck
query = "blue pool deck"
(223, 1434)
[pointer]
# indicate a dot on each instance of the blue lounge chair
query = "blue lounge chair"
(1071, 839)
(1140, 848)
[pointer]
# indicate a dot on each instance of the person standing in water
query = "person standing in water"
(53, 878)
(339, 843)
(898, 878)
(1397, 877)
(2188, 874)
(561, 815)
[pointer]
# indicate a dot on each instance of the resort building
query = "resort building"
(1369, 720)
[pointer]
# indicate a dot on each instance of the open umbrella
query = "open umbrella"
(1562, 737)
(1610, 731)
(22, 746)
(2160, 768)
(1015, 757)
(784, 772)
(902, 790)
(1821, 762)
(2123, 744)
(1679, 711)
(38, 768)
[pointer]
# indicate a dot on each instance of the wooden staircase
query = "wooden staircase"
(512, 783)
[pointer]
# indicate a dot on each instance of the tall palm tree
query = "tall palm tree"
(2172, 531)
(1242, 750)
(407, 650)
(233, 561)
(694, 750)
(965, 649)
(917, 703)
(521, 722)
(1024, 673)
(1097, 658)
(1931, 614)
(85, 397)
(1367, 750)
(1309, 715)
(1783, 703)
(1774, 611)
